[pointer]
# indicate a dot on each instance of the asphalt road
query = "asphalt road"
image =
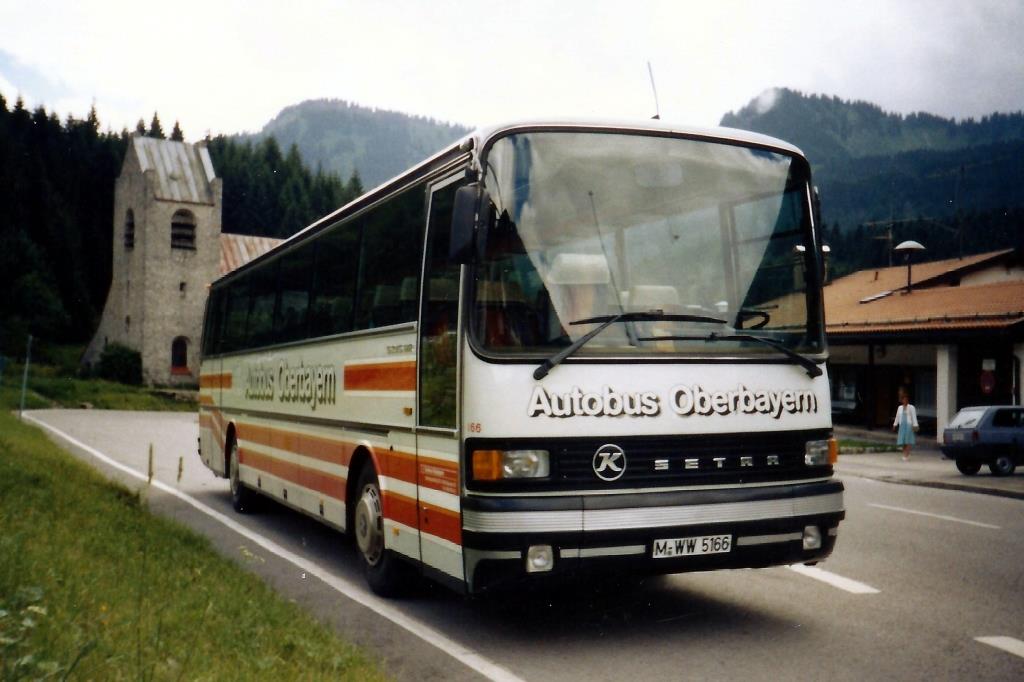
(919, 574)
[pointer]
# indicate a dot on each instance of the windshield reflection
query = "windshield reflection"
(589, 225)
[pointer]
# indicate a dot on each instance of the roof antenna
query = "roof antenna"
(657, 109)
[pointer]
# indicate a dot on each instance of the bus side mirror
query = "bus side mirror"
(463, 234)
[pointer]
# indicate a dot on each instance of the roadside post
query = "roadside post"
(24, 376)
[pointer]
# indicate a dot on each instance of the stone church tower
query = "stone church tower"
(167, 249)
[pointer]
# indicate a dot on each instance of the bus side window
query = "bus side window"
(296, 271)
(260, 327)
(439, 317)
(237, 310)
(390, 253)
(334, 288)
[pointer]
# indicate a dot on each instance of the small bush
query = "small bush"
(120, 363)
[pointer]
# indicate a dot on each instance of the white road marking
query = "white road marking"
(935, 516)
(847, 584)
(470, 658)
(1014, 646)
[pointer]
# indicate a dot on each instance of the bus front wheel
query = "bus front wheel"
(382, 569)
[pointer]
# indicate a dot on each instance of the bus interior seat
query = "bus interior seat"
(647, 297)
(579, 285)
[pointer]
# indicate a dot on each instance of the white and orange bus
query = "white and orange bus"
(552, 347)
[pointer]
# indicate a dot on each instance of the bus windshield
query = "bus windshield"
(587, 225)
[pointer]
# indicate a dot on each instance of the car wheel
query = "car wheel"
(1003, 465)
(384, 572)
(968, 467)
(243, 500)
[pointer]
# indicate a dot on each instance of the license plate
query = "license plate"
(694, 546)
(958, 436)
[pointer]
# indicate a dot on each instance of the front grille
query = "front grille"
(741, 458)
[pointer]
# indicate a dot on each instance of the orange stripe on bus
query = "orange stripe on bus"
(398, 464)
(393, 463)
(439, 475)
(316, 447)
(381, 376)
(326, 484)
(215, 380)
(205, 399)
(400, 508)
(441, 522)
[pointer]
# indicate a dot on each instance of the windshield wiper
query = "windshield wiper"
(607, 321)
(810, 365)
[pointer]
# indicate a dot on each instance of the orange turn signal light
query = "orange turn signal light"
(833, 450)
(487, 465)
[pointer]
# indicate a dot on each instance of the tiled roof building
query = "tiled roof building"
(954, 338)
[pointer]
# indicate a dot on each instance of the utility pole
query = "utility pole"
(887, 237)
(24, 375)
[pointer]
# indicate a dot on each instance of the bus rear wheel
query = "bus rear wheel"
(383, 570)
(243, 500)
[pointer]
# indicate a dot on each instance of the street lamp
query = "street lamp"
(908, 247)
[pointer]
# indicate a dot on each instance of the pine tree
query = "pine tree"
(176, 134)
(140, 127)
(155, 129)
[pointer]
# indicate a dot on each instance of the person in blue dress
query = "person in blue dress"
(905, 424)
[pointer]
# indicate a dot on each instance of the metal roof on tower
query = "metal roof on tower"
(183, 172)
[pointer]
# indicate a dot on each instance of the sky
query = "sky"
(230, 66)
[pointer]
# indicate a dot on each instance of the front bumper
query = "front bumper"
(617, 532)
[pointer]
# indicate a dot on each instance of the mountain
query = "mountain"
(341, 137)
(933, 176)
(828, 128)
(873, 165)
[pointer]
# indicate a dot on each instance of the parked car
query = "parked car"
(992, 435)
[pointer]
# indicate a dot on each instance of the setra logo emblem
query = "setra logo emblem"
(609, 462)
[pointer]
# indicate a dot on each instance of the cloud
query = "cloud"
(231, 66)
(766, 100)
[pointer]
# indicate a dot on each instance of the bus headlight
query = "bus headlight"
(821, 452)
(495, 465)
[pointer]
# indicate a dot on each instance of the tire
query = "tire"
(385, 573)
(1002, 465)
(243, 500)
(968, 467)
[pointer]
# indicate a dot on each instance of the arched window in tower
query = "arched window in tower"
(179, 355)
(183, 230)
(129, 230)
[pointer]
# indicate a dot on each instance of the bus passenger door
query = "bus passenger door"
(437, 443)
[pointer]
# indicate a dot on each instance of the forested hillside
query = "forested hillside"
(933, 177)
(57, 194)
(273, 194)
(344, 138)
(829, 128)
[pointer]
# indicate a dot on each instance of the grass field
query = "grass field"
(53, 382)
(93, 586)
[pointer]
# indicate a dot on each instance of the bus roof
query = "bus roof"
(484, 134)
(466, 146)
